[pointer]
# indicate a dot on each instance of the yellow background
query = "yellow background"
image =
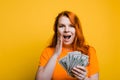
(26, 26)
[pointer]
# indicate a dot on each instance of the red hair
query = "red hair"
(79, 41)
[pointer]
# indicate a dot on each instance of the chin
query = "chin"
(68, 43)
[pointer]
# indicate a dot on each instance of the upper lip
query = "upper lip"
(66, 34)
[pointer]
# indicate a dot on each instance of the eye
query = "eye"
(60, 26)
(72, 25)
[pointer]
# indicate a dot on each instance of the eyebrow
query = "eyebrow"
(61, 24)
(64, 24)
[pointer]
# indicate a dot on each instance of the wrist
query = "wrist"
(86, 78)
(55, 56)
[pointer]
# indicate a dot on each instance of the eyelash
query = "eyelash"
(64, 26)
(72, 26)
(61, 26)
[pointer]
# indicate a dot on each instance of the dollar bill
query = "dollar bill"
(72, 59)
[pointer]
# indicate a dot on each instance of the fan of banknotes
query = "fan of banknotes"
(73, 59)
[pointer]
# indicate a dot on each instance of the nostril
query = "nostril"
(66, 31)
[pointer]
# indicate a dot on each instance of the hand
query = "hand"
(58, 47)
(79, 72)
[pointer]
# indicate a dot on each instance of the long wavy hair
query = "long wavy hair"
(79, 41)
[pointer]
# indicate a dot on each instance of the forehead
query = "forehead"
(64, 20)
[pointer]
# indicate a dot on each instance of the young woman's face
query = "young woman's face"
(66, 30)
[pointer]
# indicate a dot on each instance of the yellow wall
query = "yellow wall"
(26, 28)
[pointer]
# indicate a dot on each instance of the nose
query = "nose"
(66, 29)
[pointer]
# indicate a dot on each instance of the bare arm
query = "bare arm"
(45, 72)
(80, 73)
(93, 77)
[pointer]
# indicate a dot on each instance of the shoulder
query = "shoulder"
(91, 51)
(48, 50)
(46, 53)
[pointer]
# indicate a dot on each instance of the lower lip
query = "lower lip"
(66, 40)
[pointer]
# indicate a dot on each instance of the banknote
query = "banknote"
(72, 59)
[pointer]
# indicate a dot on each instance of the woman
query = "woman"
(67, 37)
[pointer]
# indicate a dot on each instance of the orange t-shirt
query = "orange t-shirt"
(59, 72)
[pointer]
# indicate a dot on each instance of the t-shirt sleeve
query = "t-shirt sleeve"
(44, 57)
(93, 62)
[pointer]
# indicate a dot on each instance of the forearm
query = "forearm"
(89, 79)
(47, 71)
(49, 68)
(93, 77)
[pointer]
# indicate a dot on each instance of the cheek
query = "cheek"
(60, 31)
(73, 31)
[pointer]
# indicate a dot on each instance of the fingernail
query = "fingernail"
(74, 68)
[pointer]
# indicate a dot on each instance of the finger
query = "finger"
(79, 71)
(81, 68)
(61, 39)
(58, 40)
(79, 77)
(58, 45)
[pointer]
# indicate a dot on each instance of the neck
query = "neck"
(67, 46)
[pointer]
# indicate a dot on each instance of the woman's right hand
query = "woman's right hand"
(58, 47)
(48, 69)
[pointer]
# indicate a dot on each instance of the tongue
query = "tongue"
(66, 38)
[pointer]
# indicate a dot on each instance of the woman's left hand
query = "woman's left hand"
(79, 72)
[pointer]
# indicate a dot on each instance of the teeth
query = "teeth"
(66, 37)
(69, 36)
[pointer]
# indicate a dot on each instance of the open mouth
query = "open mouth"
(66, 36)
